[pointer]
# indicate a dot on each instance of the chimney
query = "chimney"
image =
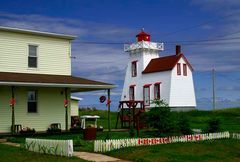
(178, 49)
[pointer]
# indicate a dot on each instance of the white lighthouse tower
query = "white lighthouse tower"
(150, 77)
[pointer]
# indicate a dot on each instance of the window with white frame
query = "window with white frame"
(32, 101)
(32, 56)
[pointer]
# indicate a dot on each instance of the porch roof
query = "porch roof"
(76, 84)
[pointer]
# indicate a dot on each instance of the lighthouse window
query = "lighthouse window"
(178, 69)
(157, 90)
(146, 95)
(185, 69)
(131, 93)
(134, 68)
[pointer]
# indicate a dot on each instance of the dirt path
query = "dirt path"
(96, 157)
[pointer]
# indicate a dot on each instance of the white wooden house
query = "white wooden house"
(36, 81)
(150, 77)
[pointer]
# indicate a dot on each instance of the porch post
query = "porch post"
(66, 110)
(109, 119)
(13, 113)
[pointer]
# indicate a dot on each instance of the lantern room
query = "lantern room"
(143, 36)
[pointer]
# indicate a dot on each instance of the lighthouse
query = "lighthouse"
(149, 76)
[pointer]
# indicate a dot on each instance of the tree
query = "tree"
(159, 117)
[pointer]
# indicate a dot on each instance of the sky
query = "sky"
(207, 30)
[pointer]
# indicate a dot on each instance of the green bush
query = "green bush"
(159, 117)
(131, 132)
(213, 125)
(183, 125)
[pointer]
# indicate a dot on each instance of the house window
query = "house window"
(131, 93)
(32, 102)
(134, 68)
(178, 69)
(146, 94)
(32, 56)
(185, 69)
(157, 90)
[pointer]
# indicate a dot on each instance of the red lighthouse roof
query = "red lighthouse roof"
(143, 36)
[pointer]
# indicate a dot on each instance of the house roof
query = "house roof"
(46, 80)
(164, 63)
(76, 98)
(34, 32)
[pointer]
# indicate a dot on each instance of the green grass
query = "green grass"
(229, 118)
(218, 150)
(15, 154)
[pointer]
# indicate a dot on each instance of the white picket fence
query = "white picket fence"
(108, 145)
(236, 135)
(46, 146)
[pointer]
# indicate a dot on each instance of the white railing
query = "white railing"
(236, 135)
(45, 146)
(108, 145)
(143, 44)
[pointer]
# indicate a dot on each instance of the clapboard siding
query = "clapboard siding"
(50, 108)
(53, 54)
(182, 89)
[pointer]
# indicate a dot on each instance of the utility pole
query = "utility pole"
(213, 92)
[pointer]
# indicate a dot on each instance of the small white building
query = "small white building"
(150, 77)
(75, 105)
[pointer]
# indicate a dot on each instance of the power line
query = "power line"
(199, 25)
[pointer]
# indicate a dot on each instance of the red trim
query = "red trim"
(148, 95)
(147, 85)
(178, 69)
(157, 83)
(185, 69)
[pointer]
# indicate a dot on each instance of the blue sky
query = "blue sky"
(186, 22)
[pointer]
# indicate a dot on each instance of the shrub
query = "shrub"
(159, 117)
(183, 125)
(131, 132)
(213, 125)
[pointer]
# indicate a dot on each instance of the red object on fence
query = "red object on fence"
(109, 102)
(12, 101)
(66, 102)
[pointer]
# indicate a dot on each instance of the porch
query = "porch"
(48, 95)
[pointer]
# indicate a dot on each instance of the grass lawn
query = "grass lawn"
(14, 154)
(229, 118)
(218, 150)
